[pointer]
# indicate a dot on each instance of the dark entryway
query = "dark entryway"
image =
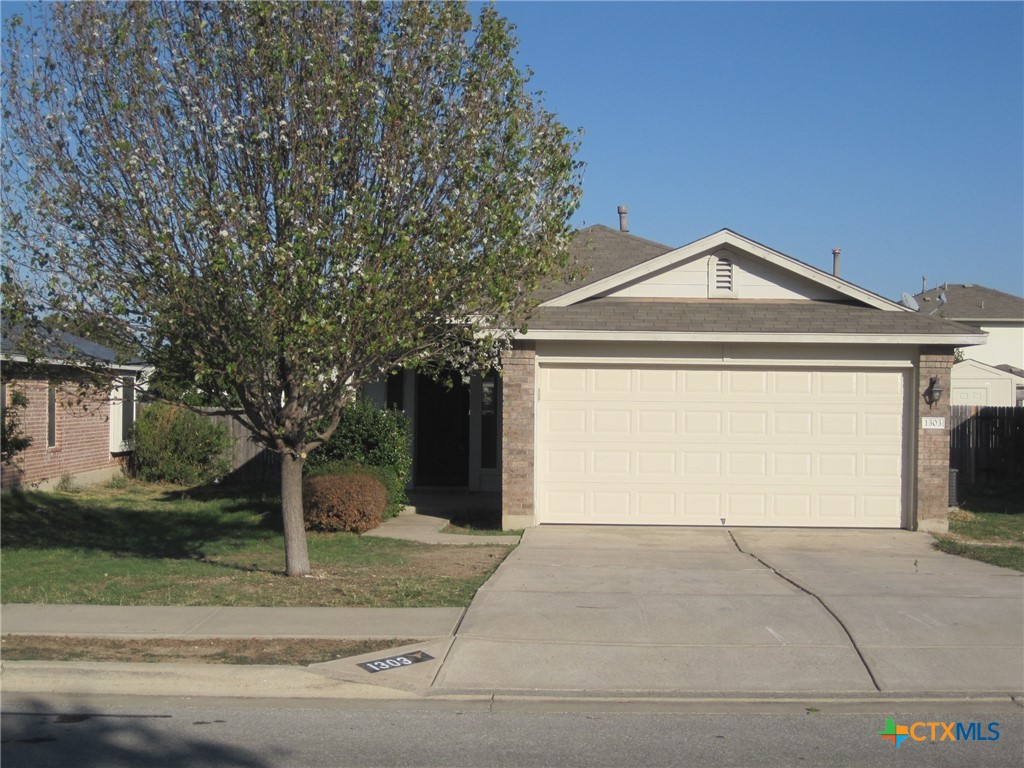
(442, 434)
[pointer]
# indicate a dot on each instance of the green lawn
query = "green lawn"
(156, 545)
(989, 526)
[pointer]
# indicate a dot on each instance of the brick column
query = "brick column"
(933, 444)
(517, 438)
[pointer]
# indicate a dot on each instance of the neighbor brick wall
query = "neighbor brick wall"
(933, 444)
(83, 436)
(517, 438)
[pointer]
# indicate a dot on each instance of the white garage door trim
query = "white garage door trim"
(659, 444)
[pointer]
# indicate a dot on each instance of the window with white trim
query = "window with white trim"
(122, 413)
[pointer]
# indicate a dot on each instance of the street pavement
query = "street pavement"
(618, 612)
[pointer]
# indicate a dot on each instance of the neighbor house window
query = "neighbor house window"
(51, 415)
(127, 408)
(489, 421)
(124, 407)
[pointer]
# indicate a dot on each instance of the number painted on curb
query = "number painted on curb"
(396, 662)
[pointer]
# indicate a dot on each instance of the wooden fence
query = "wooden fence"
(986, 443)
(251, 461)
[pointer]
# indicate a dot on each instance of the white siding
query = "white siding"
(752, 279)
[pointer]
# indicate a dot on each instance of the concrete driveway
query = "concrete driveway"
(620, 610)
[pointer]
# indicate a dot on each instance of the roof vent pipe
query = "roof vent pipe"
(835, 261)
(623, 221)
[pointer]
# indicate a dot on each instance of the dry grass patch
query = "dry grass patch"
(281, 651)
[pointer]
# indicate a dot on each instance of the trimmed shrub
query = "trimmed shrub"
(369, 436)
(393, 486)
(353, 503)
(175, 445)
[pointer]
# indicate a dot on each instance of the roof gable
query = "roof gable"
(696, 271)
(966, 368)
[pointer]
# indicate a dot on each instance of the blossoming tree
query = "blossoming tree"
(283, 201)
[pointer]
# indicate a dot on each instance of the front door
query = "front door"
(442, 434)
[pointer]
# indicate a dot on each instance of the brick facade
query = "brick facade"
(517, 438)
(932, 458)
(82, 448)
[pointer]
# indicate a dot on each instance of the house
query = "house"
(999, 314)
(1000, 361)
(979, 384)
(77, 430)
(718, 383)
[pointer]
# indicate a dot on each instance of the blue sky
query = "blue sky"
(894, 131)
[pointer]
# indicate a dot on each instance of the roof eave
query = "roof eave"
(935, 339)
(82, 364)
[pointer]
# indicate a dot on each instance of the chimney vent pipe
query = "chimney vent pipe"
(623, 221)
(835, 261)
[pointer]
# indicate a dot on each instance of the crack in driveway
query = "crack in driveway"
(822, 603)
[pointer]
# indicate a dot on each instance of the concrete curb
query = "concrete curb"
(210, 681)
(144, 679)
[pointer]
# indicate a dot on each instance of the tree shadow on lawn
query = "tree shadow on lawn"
(160, 527)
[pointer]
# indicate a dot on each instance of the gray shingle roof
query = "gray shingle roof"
(60, 345)
(972, 302)
(729, 316)
(602, 251)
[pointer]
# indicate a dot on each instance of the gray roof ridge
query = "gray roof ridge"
(630, 235)
(972, 286)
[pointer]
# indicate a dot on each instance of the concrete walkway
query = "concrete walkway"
(426, 529)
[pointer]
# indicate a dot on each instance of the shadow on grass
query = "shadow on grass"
(175, 524)
(1004, 498)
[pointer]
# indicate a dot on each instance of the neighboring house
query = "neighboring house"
(719, 383)
(78, 433)
(999, 314)
(979, 384)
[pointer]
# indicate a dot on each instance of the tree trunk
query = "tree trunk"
(296, 555)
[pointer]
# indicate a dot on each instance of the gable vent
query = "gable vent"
(721, 276)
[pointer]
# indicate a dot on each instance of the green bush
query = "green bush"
(353, 503)
(175, 445)
(369, 436)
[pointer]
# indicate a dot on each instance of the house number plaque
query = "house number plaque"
(396, 662)
(933, 422)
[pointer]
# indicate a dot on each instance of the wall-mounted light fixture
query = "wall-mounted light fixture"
(933, 394)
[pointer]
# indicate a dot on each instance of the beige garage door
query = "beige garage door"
(698, 446)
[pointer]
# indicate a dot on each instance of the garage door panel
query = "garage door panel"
(657, 463)
(663, 445)
(566, 421)
(746, 423)
(747, 382)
